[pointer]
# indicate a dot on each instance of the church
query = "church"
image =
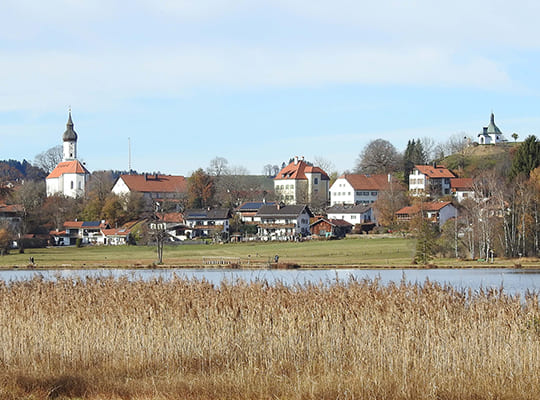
(70, 176)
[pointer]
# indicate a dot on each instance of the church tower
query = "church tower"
(70, 176)
(70, 141)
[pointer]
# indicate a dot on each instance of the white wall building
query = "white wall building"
(358, 188)
(70, 176)
(300, 182)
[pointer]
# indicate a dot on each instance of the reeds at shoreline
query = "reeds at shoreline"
(115, 338)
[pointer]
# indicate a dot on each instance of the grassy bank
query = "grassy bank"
(370, 251)
(109, 339)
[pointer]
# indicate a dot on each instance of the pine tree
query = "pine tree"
(527, 157)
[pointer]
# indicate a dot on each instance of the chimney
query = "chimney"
(389, 178)
(145, 176)
(295, 160)
(434, 164)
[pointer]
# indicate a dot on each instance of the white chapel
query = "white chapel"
(70, 176)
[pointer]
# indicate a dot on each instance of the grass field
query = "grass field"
(116, 339)
(369, 251)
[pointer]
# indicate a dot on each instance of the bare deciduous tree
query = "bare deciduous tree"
(378, 157)
(49, 159)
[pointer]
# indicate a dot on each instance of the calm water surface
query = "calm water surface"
(513, 281)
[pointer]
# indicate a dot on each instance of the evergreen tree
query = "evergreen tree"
(527, 157)
(425, 243)
(414, 155)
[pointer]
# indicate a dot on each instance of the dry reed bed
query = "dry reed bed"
(107, 338)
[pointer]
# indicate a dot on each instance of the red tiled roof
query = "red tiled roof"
(366, 182)
(155, 183)
(298, 171)
(461, 183)
(434, 172)
(171, 217)
(11, 208)
(68, 167)
(431, 206)
(116, 232)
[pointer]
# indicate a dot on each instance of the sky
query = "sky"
(259, 82)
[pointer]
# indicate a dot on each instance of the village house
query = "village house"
(353, 214)
(430, 180)
(358, 188)
(207, 222)
(153, 187)
(69, 178)
(491, 134)
(11, 217)
(88, 232)
(249, 209)
(437, 212)
(283, 222)
(116, 236)
(301, 182)
(326, 227)
(172, 223)
(462, 188)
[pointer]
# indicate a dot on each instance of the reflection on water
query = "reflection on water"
(513, 281)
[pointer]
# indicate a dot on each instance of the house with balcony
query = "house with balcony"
(430, 180)
(89, 232)
(437, 212)
(462, 188)
(283, 222)
(207, 222)
(330, 228)
(352, 213)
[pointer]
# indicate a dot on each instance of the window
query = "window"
(316, 181)
(374, 193)
(72, 184)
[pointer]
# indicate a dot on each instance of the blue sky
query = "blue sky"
(258, 82)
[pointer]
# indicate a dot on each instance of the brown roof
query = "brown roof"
(11, 208)
(171, 217)
(68, 167)
(435, 172)
(298, 170)
(366, 182)
(116, 232)
(461, 183)
(155, 183)
(431, 206)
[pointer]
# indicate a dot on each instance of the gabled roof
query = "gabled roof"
(155, 183)
(253, 206)
(171, 217)
(429, 206)
(461, 184)
(298, 169)
(116, 232)
(86, 224)
(366, 182)
(434, 171)
(202, 214)
(333, 222)
(11, 208)
(289, 211)
(68, 167)
(348, 209)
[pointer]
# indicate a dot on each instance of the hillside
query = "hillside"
(476, 159)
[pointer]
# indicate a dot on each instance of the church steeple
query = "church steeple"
(70, 141)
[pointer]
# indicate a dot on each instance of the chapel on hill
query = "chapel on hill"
(70, 176)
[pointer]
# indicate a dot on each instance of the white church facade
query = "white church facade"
(70, 176)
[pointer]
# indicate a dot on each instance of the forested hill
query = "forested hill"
(15, 171)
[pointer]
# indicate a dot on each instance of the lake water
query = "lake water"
(513, 281)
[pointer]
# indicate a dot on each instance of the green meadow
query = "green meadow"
(361, 252)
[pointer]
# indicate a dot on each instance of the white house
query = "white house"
(437, 212)
(89, 232)
(354, 214)
(70, 176)
(462, 188)
(151, 186)
(358, 188)
(204, 222)
(301, 182)
(283, 222)
(491, 134)
(430, 180)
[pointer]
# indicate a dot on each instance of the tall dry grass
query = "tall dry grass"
(107, 338)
